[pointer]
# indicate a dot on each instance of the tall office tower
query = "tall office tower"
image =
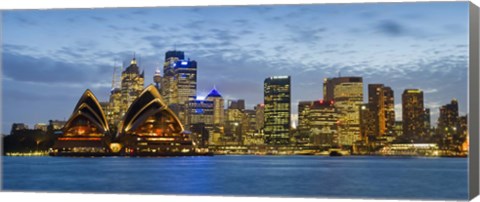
(367, 122)
(322, 123)
(260, 111)
(131, 86)
(277, 96)
(398, 129)
(377, 100)
(426, 121)
(234, 120)
(413, 115)
(303, 135)
(251, 136)
(462, 129)
(218, 107)
(201, 111)
(236, 104)
(448, 122)
(389, 110)
(179, 82)
(381, 102)
(347, 92)
(448, 115)
(167, 82)
(113, 111)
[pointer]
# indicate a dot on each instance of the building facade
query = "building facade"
(277, 98)
(132, 84)
(413, 115)
(218, 107)
(322, 123)
(179, 82)
(347, 93)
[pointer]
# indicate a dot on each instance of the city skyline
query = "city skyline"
(30, 64)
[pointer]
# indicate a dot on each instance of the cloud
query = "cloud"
(44, 70)
(98, 19)
(301, 34)
(26, 21)
(390, 28)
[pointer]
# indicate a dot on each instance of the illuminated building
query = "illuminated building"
(260, 111)
(277, 110)
(382, 105)
(151, 128)
(426, 122)
(347, 92)
(18, 127)
(447, 123)
(218, 107)
(367, 122)
(413, 115)
(462, 137)
(179, 82)
(200, 134)
(253, 135)
(322, 123)
(114, 112)
(56, 124)
(41, 126)
(303, 129)
(132, 83)
(398, 128)
(86, 132)
(201, 111)
(389, 100)
(234, 121)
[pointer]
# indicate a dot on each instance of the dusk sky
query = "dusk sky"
(50, 57)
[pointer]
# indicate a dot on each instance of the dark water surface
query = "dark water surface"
(293, 176)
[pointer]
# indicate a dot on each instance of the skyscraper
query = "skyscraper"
(277, 110)
(234, 120)
(260, 116)
(132, 85)
(218, 107)
(114, 108)
(303, 110)
(367, 122)
(179, 82)
(389, 110)
(448, 123)
(201, 111)
(168, 80)
(347, 92)
(413, 115)
(427, 123)
(381, 102)
(322, 123)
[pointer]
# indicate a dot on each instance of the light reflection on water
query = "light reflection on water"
(294, 176)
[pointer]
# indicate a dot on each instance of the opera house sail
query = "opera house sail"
(86, 132)
(150, 128)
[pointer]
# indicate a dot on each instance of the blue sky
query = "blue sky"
(51, 56)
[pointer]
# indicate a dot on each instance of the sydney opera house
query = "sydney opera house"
(148, 128)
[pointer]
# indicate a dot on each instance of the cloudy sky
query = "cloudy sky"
(51, 56)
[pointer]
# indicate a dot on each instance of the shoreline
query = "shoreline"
(42, 154)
